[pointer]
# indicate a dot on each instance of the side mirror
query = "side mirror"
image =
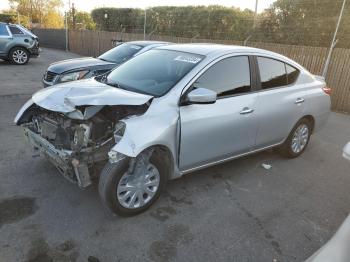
(201, 96)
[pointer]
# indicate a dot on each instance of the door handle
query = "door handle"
(299, 101)
(246, 110)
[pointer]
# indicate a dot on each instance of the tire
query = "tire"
(19, 56)
(288, 149)
(110, 180)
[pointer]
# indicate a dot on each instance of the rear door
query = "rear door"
(213, 132)
(5, 39)
(280, 103)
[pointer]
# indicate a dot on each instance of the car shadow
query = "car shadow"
(4, 63)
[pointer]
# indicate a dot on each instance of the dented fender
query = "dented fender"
(23, 109)
(149, 130)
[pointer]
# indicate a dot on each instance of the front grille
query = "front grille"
(49, 76)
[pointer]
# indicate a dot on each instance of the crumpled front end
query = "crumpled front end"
(76, 137)
(75, 166)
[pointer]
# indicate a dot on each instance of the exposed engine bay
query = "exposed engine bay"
(78, 148)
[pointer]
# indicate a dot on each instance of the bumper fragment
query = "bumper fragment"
(71, 167)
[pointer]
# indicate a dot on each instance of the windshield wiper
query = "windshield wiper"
(127, 88)
(105, 60)
(115, 84)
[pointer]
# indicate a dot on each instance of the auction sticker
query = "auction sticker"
(188, 59)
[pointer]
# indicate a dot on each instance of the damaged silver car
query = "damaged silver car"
(171, 111)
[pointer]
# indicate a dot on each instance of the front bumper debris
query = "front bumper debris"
(71, 166)
(35, 51)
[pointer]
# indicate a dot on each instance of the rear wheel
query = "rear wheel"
(297, 140)
(19, 56)
(128, 193)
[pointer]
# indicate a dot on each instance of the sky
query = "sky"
(88, 5)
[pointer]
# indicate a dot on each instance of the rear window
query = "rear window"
(120, 53)
(15, 30)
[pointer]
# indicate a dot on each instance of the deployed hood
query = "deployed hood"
(65, 97)
(77, 63)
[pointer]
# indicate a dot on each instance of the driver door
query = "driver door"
(226, 128)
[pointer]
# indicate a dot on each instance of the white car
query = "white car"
(337, 249)
(346, 151)
(170, 111)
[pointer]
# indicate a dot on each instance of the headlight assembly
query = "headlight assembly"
(73, 76)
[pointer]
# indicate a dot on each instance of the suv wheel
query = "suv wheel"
(19, 56)
(128, 193)
(297, 140)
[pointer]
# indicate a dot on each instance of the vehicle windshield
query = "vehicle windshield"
(121, 53)
(154, 72)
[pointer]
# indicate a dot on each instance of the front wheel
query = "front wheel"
(297, 140)
(129, 193)
(19, 56)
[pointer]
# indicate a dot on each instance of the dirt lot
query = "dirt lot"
(237, 211)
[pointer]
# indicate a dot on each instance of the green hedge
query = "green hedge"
(129, 19)
(215, 22)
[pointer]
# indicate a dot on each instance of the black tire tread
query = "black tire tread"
(110, 176)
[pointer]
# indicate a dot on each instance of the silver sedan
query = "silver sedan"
(171, 111)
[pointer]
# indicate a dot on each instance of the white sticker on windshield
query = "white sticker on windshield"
(188, 59)
(135, 47)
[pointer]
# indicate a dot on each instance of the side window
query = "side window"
(3, 30)
(292, 74)
(272, 73)
(229, 76)
(15, 30)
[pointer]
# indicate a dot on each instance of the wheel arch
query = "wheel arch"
(165, 152)
(311, 120)
(15, 46)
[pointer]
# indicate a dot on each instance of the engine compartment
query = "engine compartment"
(72, 134)
(78, 148)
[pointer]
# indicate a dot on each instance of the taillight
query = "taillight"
(327, 90)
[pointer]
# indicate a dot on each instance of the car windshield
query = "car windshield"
(154, 72)
(121, 53)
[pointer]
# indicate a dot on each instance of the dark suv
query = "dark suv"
(17, 44)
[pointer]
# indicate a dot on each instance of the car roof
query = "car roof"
(4, 23)
(206, 49)
(217, 50)
(148, 42)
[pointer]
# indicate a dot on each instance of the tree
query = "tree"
(82, 20)
(307, 22)
(43, 12)
(216, 22)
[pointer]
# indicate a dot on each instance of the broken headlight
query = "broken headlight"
(119, 131)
